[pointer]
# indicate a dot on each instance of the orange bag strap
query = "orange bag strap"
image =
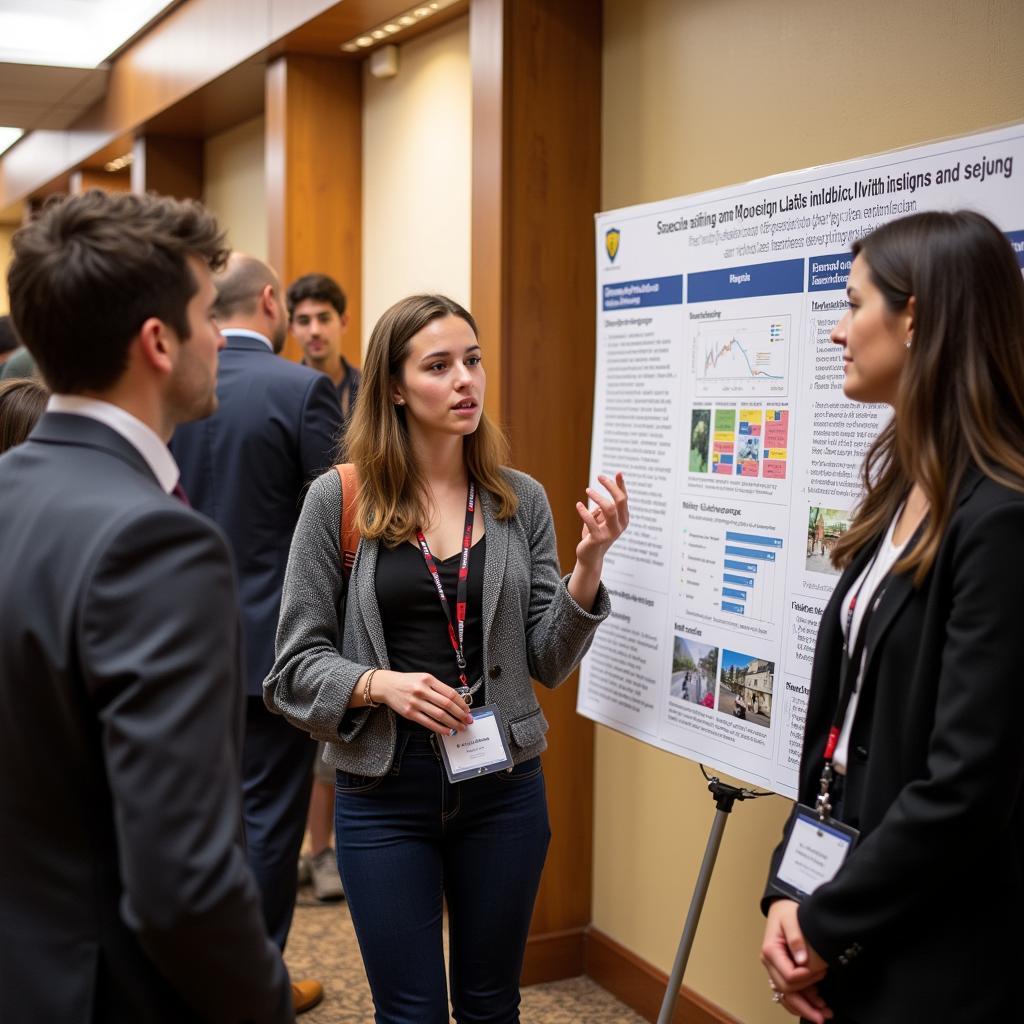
(348, 535)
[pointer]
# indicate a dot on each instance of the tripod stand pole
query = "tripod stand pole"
(725, 796)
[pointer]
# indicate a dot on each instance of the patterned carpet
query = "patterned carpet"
(322, 945)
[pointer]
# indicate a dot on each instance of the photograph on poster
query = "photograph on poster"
(824, 527)
(748, 448)
(700, 437)
(724, 448)
(694, 670)
(746, 687)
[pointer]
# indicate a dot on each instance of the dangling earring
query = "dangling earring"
(907, 343)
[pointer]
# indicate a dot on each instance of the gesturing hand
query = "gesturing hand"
(422, 698)
(602, 525)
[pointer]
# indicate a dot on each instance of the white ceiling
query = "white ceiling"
(52, 55)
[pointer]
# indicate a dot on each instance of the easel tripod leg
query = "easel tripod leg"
(700, 892)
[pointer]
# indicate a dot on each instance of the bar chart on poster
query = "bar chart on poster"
(718, 393)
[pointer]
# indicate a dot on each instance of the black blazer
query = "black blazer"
(922, 923)
(124, 892)
(247, 467)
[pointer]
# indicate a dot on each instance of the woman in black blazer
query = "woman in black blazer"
(922, 922)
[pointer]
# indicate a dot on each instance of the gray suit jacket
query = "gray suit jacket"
(531, 627)
(124, 890)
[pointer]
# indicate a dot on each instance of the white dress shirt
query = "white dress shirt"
(866, 584)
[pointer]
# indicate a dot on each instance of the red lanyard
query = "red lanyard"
(457, 629)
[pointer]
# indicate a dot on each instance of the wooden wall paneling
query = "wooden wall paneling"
(536, 187)
(489, 150)
(314, 168)
(169, 165)
(87, 177)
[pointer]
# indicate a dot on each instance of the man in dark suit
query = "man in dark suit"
(124, 890)
(247, 466)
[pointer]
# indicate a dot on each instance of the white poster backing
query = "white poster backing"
(718, 393)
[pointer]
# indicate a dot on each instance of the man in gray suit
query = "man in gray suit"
(124, 887)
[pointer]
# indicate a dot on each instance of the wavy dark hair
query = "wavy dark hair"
(391, 503)
(90, 270)
(960, 402)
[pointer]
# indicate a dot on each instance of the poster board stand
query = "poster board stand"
(724, 796)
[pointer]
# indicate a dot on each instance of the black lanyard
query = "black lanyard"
(456, 630)
(849, 672)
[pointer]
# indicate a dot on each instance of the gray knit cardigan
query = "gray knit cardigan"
(531, 625)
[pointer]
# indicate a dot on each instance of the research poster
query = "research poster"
(718, 393)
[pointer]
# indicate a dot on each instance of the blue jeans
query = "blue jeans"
(411, 840)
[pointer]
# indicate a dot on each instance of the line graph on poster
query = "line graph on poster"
(745, 356)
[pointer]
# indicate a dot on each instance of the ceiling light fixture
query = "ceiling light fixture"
(8, 137)
(387, 29)
(71, 34)
(119, 163)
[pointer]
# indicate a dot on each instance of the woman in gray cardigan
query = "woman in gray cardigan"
(455, 600)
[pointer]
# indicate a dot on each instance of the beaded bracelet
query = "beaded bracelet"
(367, 699)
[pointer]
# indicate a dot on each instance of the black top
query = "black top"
(414, 624)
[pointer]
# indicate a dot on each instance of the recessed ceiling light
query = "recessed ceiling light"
(119, 163)
(387, 29)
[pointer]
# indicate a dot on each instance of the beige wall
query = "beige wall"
(234, 185)
(6, 231)
(416, 173)
(703, 93)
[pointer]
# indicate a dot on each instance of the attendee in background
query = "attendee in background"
(430, 477)
(922, 920)
(247, 467)
(18, 364)
(318, 318)
(9, 343)
(123, 882)
(22, 402)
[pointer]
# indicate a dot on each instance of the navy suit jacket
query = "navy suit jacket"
(247, 466)
(124, 893)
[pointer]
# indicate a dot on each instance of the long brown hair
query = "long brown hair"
(22, 402)
(960, 402)
(391, 503)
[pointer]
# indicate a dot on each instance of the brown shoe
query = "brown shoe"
(306, 994)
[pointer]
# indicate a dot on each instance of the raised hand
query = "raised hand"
(603, 524)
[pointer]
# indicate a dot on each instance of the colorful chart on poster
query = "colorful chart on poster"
(719, 394)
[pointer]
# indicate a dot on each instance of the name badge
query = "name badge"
(813, 854)
(479, 749)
